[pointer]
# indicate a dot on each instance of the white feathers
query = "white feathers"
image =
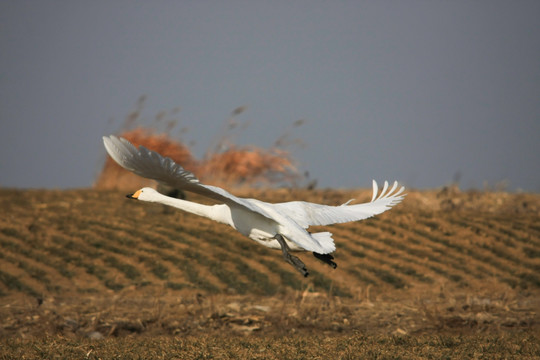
(375, 190)
(258, 220)
(309, 214)
(151, 165)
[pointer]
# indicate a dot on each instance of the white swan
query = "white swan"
(280, 226)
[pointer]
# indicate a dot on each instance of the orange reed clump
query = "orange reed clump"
(112, 176)
(234, 166)
(248, 165)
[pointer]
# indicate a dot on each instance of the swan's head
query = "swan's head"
(145, 194)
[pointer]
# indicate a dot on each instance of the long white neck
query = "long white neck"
(214, 212)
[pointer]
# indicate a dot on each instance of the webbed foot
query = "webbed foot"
(326, 258)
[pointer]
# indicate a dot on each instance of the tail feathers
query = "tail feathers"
(325, 240)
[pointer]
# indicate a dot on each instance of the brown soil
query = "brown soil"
(90, 263)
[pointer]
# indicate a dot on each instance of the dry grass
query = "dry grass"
(112, 176)
(248, 165)
(424, 279)
(231, 167)
(225, 162)
(352, 346)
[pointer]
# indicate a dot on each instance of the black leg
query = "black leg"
(326, 258)
(293, 260)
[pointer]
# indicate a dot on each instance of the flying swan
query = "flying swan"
(278, 226)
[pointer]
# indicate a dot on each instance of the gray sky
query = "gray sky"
(417, 91)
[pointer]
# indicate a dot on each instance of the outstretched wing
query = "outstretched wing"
(307, 214)
(151, 165)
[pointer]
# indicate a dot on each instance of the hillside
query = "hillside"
(87, 261)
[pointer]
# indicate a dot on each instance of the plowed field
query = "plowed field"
(86, 263)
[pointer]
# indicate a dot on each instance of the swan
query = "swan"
(278, 226)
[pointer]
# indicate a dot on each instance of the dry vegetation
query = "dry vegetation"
(89, 274)
(224, 164)
(232, 166)
(446, 273)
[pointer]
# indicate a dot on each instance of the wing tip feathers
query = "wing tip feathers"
(386, 193)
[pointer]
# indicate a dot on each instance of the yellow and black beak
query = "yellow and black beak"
(134, 195)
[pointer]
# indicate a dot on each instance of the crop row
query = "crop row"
(98, 240)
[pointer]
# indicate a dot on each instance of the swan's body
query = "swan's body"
(281, 226)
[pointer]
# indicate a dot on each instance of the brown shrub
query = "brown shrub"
(248, 165)
(112, 176)
(233, 166)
